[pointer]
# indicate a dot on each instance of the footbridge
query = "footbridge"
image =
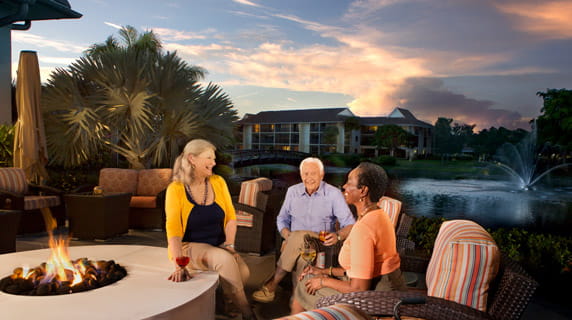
(243, 158)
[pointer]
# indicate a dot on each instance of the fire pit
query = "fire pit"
(145, 293)
(61, 275)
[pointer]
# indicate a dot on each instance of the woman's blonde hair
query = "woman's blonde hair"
(182, 170)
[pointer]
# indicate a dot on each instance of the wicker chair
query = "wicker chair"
(256, 225)
(508, 295)
(17, 194)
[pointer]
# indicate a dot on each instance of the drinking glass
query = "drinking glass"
(325, 229)
(182, 262)
(308, 254)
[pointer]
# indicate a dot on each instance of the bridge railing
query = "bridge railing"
(249, 157)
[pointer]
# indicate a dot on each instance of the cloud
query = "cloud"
(177, 35)
(113, 25)
(30, 39)
(550, 19)
(247, 3)
(428, 99)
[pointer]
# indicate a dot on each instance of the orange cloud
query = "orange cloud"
(550, 19)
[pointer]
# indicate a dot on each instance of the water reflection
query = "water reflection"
(490, 203)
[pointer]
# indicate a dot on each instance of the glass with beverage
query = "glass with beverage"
(308, 254)
(182, 262)
(325, 229)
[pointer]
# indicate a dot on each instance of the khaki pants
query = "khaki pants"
(291, 249)
(232, 270)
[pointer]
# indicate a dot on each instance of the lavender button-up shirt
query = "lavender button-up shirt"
(301, 211)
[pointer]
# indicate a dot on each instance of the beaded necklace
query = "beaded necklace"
(206, 191)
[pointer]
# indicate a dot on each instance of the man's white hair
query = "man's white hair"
(313, 160)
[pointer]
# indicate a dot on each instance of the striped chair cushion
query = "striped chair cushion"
(13, 180)
(392, 207)
(118, 180)
(37, 202)
(464, 261)
(333, 312)
(249, 191)
(153, 181)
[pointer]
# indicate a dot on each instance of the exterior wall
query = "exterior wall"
(341, 135)
(304, 144)
(5, 76)
(247, 137)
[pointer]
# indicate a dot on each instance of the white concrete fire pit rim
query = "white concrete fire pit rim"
(144, 293)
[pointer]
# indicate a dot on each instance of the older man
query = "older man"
(309, 207)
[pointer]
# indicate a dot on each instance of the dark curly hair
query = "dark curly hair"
(374, 178)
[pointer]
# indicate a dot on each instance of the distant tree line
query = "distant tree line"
(554, 129)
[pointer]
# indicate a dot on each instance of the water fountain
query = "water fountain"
(521, 161)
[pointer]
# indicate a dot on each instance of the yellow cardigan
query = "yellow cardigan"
(178, 207)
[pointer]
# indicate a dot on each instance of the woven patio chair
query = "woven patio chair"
(505, 296)
(256, 225)
(16, 193)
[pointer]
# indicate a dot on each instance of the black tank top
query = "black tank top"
(205, 223)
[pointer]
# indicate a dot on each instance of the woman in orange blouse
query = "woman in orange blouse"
(368, 257)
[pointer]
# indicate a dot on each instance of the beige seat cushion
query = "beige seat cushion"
(153, 181)
(118, 180)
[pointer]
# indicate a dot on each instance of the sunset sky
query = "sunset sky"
(477, 61)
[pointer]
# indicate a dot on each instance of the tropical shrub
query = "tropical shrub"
(130, 97)
(6, 144)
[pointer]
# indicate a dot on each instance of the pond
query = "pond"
(491, 203)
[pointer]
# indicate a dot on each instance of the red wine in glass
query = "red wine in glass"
(182, 261)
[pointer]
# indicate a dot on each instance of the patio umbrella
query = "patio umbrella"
(30, 150)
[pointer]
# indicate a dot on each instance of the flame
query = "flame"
(59, 264)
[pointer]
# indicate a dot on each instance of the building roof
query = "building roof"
(297, 116)
(398, 116)
(17, 10)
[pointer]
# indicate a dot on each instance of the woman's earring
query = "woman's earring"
(361, 199)
(192, 166)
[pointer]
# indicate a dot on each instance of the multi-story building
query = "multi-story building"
(319, 131)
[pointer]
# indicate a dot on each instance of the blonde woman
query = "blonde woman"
(201, 222)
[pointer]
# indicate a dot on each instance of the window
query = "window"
(256, 128)
(314, 138)
(267, 128)
(295, 138)
(267, 138)
(255, 138)
(283, 138)
(282, 128)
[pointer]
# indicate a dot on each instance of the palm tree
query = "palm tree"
(130, 97)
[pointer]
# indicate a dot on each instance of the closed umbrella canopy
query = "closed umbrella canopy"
(30, 150)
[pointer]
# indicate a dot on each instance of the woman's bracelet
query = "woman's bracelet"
(229, 245)
(331, 274)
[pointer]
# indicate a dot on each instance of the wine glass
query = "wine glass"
(308, 254)
(182, 262)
